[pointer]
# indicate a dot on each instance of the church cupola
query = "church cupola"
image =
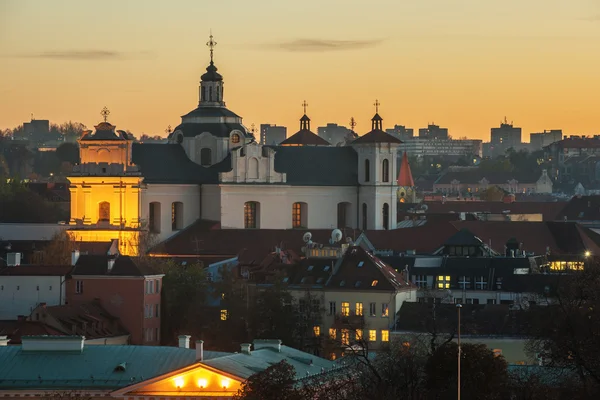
(211, 82)
(377, 121)
(304, 137)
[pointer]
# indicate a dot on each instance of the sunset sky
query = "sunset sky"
(462, 64)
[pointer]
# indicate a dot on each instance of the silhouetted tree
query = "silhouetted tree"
(57, 252)
(277, 382)
(68, 152)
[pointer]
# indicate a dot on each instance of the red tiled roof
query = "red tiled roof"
(549, 210)
(14, 330)
(36, 270)
(405, 177)
(423, 239)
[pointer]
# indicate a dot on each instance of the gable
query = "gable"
(193, 381)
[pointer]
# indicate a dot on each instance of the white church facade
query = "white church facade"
(213, 169)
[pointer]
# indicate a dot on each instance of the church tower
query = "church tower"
(106, 189)
(406, 184)
(377, 161)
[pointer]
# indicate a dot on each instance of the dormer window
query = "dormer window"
(235, 138)
(374, 283)
(360, 264)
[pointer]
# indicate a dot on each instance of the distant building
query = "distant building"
(433, 132)
(334, 133)
(505, 137)
(422, 147)
(464, 180)
(37, 132)
(575, 158)
(401, 132)
(542, 139)
(272, 134)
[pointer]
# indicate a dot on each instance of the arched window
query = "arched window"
(343, 214)
(300, 215)
(385, 171)
(206, 156)
(218, 98)
(386, 216)
(235, 138)
(176, 216)
(104, 211)
(253, 168)
(364, 216)
(367, 170)
(154, 217)
(251, 215)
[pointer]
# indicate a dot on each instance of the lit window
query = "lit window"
(384, 309)
(332, 333)
(317, 330)
(345, 337)
(235, 138)
(224, 315)
(359, 334)
(345, 309)
(251, 215)
(372, 335)
(443, 282)
(406, 345)
(299, 217)
(332, 356)
(359, 309)
(385, 335)
(374, 283)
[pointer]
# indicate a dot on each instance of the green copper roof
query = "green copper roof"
(96, 367)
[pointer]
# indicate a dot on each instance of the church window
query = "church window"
(299, 215)
(154, 217)
(218, 98)
(251, 215)
(206, 156)
(367, 170)
(235, 138)
(386, 216)
(364, 216)
(204, 93)
(385, 171)
(343, 212)
(104, 211)
(176, 216)
(210, 93)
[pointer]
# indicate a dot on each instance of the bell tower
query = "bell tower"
(211, 82)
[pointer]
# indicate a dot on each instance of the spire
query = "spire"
(211, 45)
(304, 121)
(405, 178)
(376, 121)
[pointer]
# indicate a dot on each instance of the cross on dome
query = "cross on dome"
(377, 104)
(304, 105)
(211, 45)
(105, 113)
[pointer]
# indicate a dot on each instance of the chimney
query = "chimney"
(74, 257)
(267, 343)
(199, 350)
(184, 341)
(52, 343)
(245, 348)
(3, 341)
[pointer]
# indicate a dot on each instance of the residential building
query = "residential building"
(433, 132)
(537, 141)
(272, 134)
(421, 147)
(401, 132)
(465, 181)
(126, 288)
(24, 287)
(575, 159)
(335, 134)
(505, 137)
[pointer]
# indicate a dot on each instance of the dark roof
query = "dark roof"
(190, 129)
(212, 112)
(549, 210)
(376, 136)
(318, 165)
(96, 264)
(576, 143)
(168, 163)
(423, 239)
(211, 74)
(360, 270)
(305, 137)
(105, 131)
(475, 319)
(581, 208)
(464, 237)
(36, 270)
(16, 329)
(474, 176)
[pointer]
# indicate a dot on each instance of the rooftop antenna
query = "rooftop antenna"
(105, 113)
(211, 45)
(32, 117)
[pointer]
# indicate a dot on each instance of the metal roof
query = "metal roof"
(93, 368)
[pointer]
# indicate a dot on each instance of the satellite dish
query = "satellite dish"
(307, 236)
(336, 235)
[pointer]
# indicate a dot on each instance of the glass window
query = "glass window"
(78, 287)
(224, 315)
(373, 309)
(345, 337)
(384, 309)
(385, 171)
(332, 333)
(372, 335)
(385, 335)
(359, 309)
(367, 171)
(443, 282)
(345, 309)
(299, 217)
(250, 215)
(317, 330)
(481, 283)
(104, 211)
(332, 308)
(358, 333)
(235, 138)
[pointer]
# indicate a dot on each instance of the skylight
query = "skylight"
(326, 268)
(310, 267)
(320, 280)
(360, 264)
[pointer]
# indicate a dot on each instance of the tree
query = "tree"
(57, 252)
(68, 152)
(483, 374)
(277, 382)
(493, 193)
(19, 204)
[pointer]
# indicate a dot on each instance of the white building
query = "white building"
(24, 287)
(213, 169)
(422, 147)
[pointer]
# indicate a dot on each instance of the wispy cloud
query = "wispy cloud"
(311, 45)
(84, 55)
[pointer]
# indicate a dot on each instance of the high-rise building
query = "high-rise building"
(420, 147)
(334, 133)
(505, 137)
(401, 132)
(272, 134)
(433, 132)
(542, 139)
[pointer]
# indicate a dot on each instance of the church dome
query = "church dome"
(211, 74)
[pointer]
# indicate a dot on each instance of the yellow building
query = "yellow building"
(106, 190)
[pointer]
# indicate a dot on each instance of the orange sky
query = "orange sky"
(463, 64)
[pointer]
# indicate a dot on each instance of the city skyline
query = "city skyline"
(456, 66)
